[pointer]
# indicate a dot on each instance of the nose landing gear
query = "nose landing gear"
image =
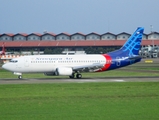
(19, 77)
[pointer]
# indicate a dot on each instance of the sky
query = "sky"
(85, 16)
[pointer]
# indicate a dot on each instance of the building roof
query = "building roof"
(78, 33)
(108, 33)
(145, 34)
(153, 33)
(93, 33)
(37, 34)
(72, 43)
(23, 34)
(123, 33)
(67, 34)
(8, 34)
(49, 33)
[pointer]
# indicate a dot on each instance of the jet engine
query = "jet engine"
(63, 71)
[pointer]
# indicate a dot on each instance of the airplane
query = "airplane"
(74, 65)
(3, 50)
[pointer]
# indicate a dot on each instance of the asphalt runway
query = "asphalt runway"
(87, 80)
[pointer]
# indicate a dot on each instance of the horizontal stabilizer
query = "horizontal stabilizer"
(135, 57)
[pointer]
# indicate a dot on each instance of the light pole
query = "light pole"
(151, 26)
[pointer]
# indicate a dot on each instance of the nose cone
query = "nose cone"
(6, 66)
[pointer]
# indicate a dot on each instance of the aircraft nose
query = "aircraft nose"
(5, 66)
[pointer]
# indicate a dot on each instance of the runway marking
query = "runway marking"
(34, 81)
(119, 80)
(84, 81)
(97, 80)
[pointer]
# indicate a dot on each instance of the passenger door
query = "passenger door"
(26, 62)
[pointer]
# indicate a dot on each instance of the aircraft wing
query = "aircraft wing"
(88, 68)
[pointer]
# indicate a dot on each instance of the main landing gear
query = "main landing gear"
(78, 75)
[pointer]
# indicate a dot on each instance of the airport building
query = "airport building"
(77, 43)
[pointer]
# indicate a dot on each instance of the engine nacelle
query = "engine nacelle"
(63, 71)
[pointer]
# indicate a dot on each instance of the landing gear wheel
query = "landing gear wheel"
(72, 76)
(79, 76)
(19, 77)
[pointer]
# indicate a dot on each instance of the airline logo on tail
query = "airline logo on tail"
(131, 47)
(133, 43)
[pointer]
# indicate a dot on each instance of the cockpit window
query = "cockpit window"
(13, 61)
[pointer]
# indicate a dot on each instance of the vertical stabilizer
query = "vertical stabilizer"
(132, 46)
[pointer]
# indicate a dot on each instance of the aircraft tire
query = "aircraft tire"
(78, 76)
(72, 76)
(19, 77)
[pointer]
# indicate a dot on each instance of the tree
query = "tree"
(48, 51)
(57, 51)
(53, 51)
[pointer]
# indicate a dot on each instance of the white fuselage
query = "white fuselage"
(49, 63)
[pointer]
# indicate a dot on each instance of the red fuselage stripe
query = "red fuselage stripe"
(107, 64)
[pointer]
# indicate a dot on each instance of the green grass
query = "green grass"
(148, 68)
(144, 66)
(80, 101)
(113, 73)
